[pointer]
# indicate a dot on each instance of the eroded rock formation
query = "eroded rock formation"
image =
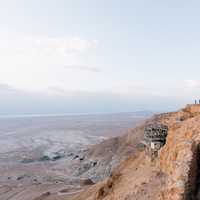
(179, 158)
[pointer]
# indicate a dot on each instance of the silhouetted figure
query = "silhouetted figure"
(195, 101)
(199, 101)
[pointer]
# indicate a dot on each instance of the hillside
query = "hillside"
(172, 176)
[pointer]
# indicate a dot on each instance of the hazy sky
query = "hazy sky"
(113, 55)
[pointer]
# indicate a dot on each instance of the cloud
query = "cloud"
(46, 45)
(33, 63)
(63, 45)
(83, 68)
(192, 83)
(6, 89)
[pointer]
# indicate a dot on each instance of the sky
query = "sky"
(64, 56)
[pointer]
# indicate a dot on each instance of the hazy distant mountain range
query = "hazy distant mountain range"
(54, 101)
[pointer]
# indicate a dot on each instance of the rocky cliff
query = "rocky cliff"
(179, 159)
(174, 175)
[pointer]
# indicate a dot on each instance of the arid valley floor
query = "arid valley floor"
(52, 157)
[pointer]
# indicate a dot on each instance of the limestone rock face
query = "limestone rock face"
(179, 159)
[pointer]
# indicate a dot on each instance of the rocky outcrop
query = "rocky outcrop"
(179, 158)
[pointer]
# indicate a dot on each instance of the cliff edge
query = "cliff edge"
(173, 175)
